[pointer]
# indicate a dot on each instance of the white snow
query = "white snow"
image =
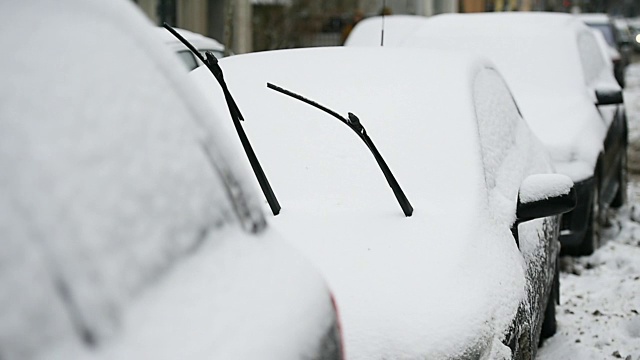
(121, 213)
(544, 186)
(598, 317)
(392, 276)
(368, 32)
(550, 88)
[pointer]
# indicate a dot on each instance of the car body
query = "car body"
(557, 95)
(201, 42)
(127, 232)
(617, 37)
(448, 282)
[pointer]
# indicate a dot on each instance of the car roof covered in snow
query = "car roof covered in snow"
(539, 56)
(398, 281)
(127, 231)
(547, 55)
(368, 32)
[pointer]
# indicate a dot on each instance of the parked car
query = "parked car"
(369, 32)
(442, 270)
(617, 38)
(201, 42)
(562, 95)
(127, 229)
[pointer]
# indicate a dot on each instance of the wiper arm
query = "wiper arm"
(354, 124)
(212, 64)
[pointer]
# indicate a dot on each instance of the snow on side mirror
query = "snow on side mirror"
(545, 195)
(609, 97)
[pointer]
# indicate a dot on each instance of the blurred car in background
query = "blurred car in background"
(634, 27)
(587, 142)
(127, 230)
(617, 36)
(201, 42)
(457, 271)
(567, 95)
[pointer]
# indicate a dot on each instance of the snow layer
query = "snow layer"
(544, 186)
(406, 287)
(368, 32)
(551, 90)
(112, 183)
(600, 294)
(598, 317)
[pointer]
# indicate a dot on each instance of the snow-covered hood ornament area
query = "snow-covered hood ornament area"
(446, 282)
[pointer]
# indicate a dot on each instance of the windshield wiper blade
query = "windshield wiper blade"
(354, 124)
(212, 64)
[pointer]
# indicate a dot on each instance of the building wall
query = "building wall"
(412, 7)
(192, 15)
(471, 6)
(150, 8)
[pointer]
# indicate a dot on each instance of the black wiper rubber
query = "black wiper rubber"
(212, 64)
(354, 124)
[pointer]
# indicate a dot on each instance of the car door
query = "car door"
(510, 153)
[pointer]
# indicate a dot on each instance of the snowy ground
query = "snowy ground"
(599, 315)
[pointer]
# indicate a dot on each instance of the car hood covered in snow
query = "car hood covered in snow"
(126, 230)
(442, 282)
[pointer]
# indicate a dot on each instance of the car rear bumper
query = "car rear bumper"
(574, 223)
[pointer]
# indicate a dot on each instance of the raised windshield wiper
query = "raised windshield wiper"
(354, 124)
(212, 64)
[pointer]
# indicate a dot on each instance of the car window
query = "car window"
(188, 59)
(497, 117)
(607, 31)
(509, 150)
(590, 57)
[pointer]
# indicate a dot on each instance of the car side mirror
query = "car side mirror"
(609, 97)
(545, 195)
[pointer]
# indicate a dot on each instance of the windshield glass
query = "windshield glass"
(607, 31)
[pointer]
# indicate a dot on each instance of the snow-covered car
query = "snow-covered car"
(617, 39)
(369, 32)
(567, 94)
(126, 230)
(202, 43)
(435, 267)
